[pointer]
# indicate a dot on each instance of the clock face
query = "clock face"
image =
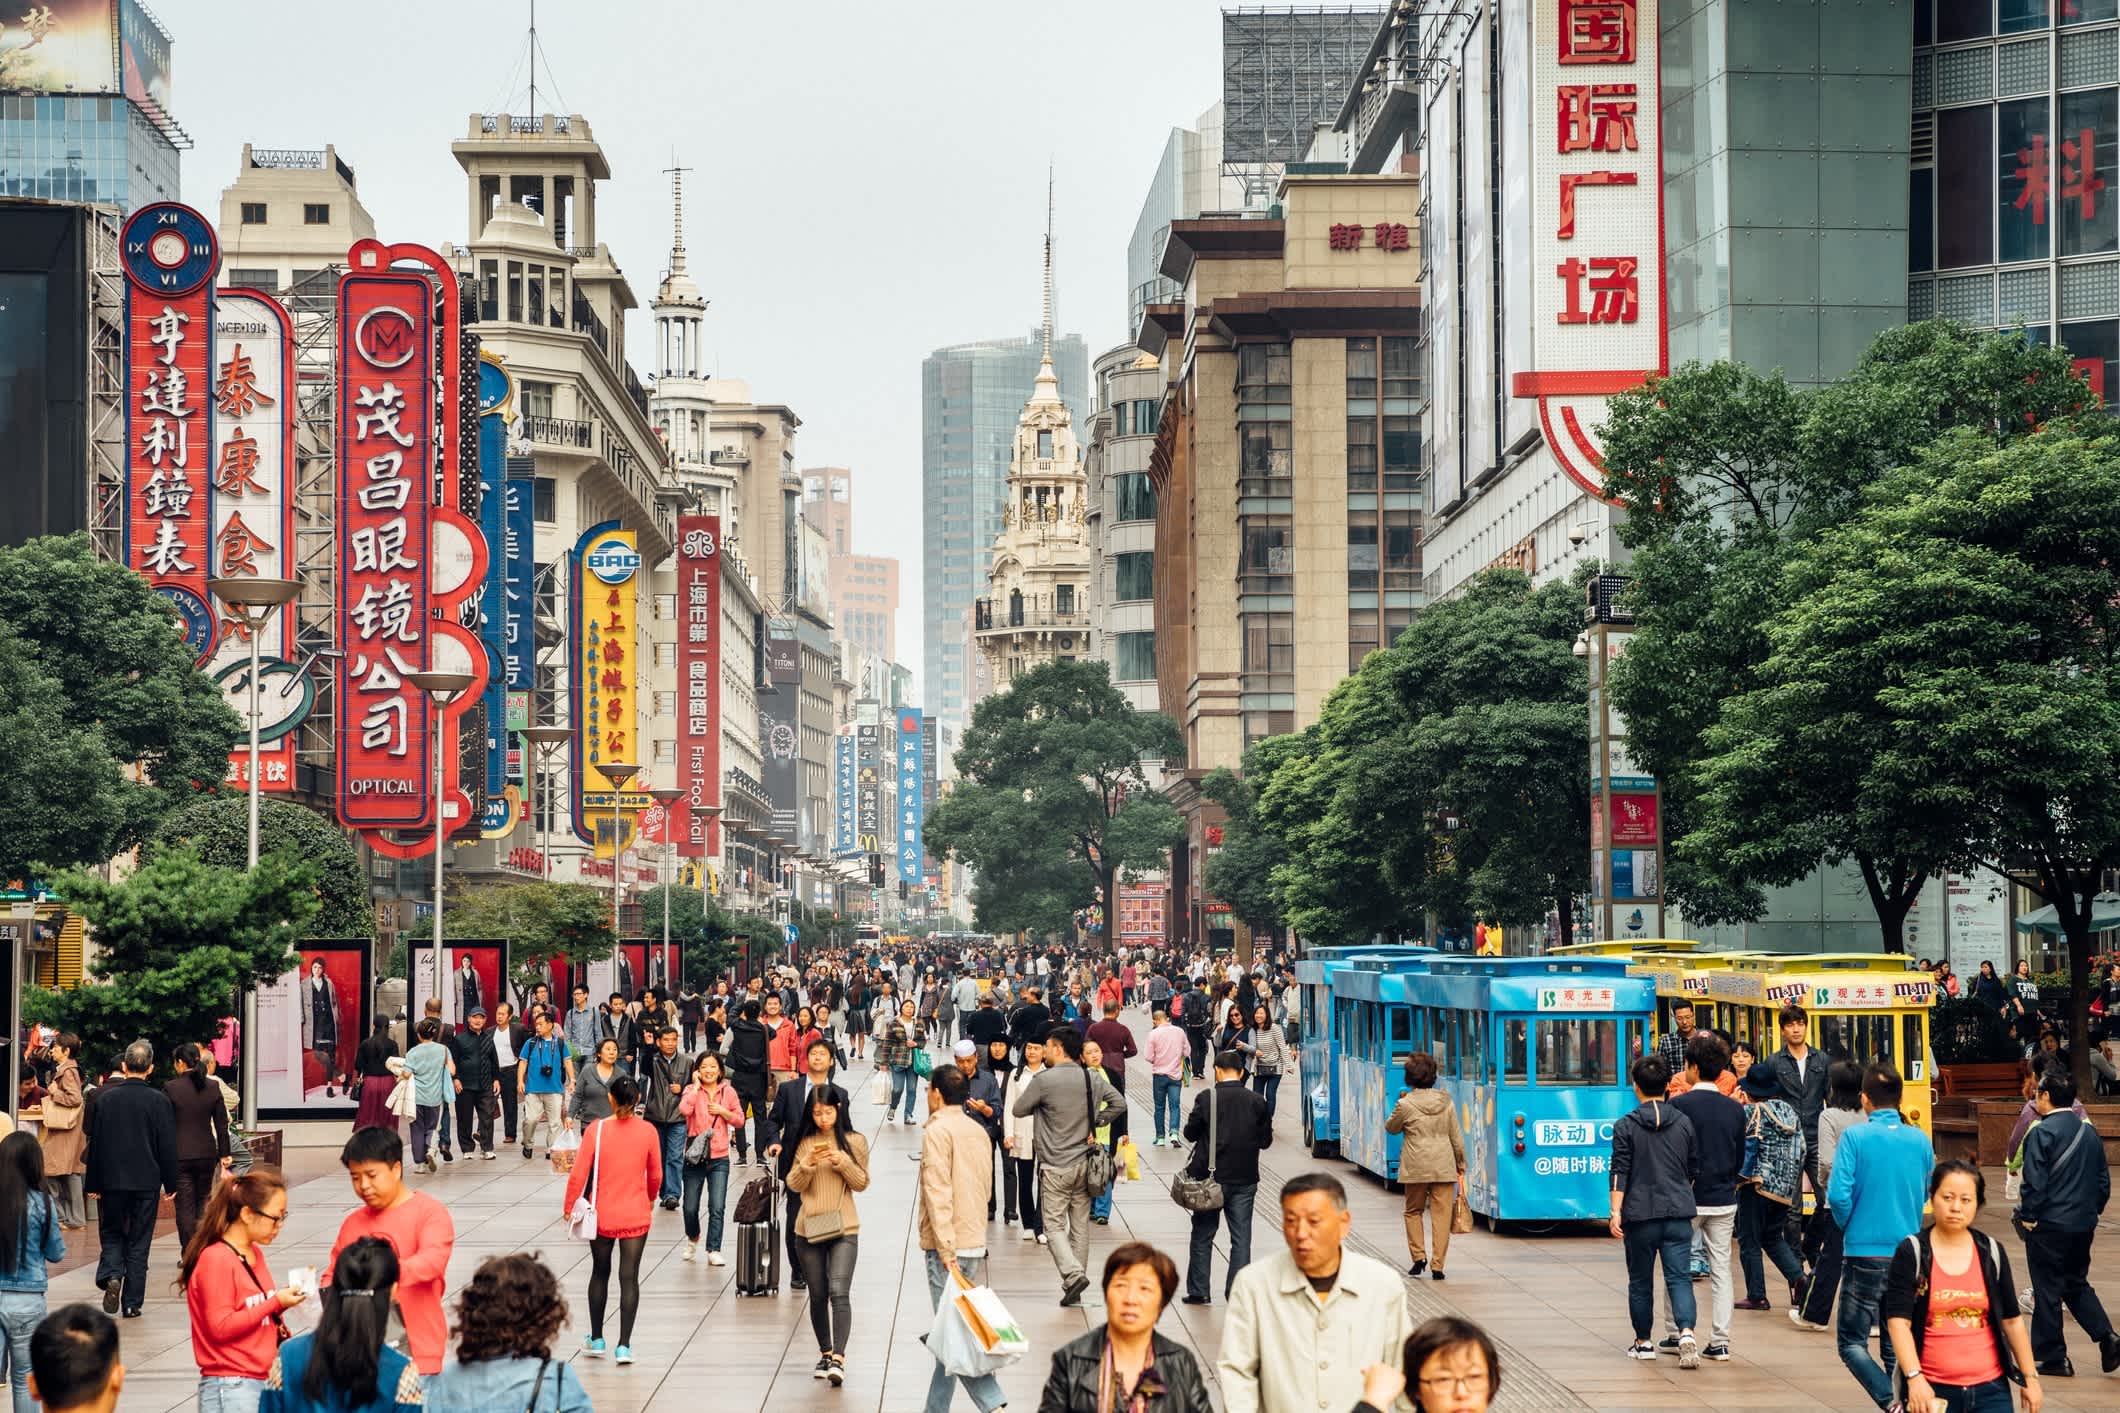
(168, 249)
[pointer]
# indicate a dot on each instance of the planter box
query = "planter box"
(1996, 1117)
(2002, 1080)
(268, 1146)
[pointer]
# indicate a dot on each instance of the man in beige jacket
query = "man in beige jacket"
(956, 1184)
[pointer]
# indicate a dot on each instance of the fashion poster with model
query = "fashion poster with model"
(470, 976)
(309, 1022)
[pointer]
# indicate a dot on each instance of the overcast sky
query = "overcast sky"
(868, 183)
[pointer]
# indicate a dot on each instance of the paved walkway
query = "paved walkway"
(1556, 1302)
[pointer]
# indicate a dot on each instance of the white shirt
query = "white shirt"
(1285, 1352)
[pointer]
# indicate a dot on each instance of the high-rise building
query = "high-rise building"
(1188, 182)
(1122, 519)
(863, 592)
(971, 395)
(1285, 69)
(84, 105)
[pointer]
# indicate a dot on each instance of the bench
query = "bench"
(2003, 1080)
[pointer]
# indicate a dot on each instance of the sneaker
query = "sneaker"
(1071, 1292)
(1720, 1353)
(824, 1366)
(1418, 1268)
(1759, 1303)
(714, 1259)
(1700, 1270)
(1029, 1235)
(489, 1155)
(1796, 1318)
(1688, 1351)
(691, 1252)
(1641, 1349)
(1044, 1240)
(622, 1355)
(593, 1348)
(112, 1292)
(1667, 1345)
(837, 1373)
(526, 1150)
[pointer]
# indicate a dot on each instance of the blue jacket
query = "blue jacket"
(505, 1384)
(42, 1243)
(2064, 1196)
(1880, 1179)
(397, 1383)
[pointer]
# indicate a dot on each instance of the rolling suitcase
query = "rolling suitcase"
(758, 1250)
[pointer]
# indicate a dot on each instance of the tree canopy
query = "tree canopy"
(1052, 805)
(217, 829)
(543, 922)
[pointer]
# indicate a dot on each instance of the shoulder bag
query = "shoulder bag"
(1098, 1169)
(1201, 1194)
(581, 1218)
(59, 1117)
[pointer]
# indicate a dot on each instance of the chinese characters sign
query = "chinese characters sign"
(698, 678)
(603, 637)
(1875, 995)
(1384, 235)
(170, 257)
(1598, 316)
(1575, 998)
(844, 839)
(868, 788)
(912, 808)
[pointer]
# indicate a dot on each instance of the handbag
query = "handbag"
(880, 1088)
(581, 1218)
(58, 1118)
(1460, 1214)
(1098, 1169)
(820, 1226)
(923, 1065)
(1201, 1194)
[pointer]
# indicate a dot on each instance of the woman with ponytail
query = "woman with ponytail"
(235, 1310)
(345, 1366)
(202, 1137)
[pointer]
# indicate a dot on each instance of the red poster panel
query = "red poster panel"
(385, 456)
(1634, 819)
(699, 683)
(309, 1024)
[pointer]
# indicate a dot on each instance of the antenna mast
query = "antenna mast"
(1048, 348)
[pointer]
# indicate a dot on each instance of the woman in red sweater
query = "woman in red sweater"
(235, 1311)
(621, 1171)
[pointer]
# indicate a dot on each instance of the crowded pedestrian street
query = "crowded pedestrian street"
(1555, 1303)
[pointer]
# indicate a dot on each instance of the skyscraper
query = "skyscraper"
(85, 116)
(970, 397)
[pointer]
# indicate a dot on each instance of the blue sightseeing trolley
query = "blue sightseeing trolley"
(1533, 1051)
(1317, 1066)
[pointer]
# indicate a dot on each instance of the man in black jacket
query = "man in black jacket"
(132, 1161)
(784, 1129)
(986, 1024)
(2066, 1185)
(663, 1077)
(1028, 1021)
(1655, 1161)
(1196, 1016)
(1719, 1132)
(1237, 1118)
(478, 1070)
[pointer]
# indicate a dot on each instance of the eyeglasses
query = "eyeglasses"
(276, 1221)
(1455, 1383)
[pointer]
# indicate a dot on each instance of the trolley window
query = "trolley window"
(1578, 1052)
(1401, 1030)
(1865, 1039)
(1475, 1045)
(1516, 1067)
(1634, 1042)
(1913, 1050)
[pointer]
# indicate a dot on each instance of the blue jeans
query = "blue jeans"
(20, 1313)
(1168, 1091)
(673, 1155)
(1990, 1397)
(1267, 1086)
(1200, 1257)
(1861, 1292)
(714, 1176)
(905, 1084)
(228, 1395)
(985, 1389)
(1669, 1239)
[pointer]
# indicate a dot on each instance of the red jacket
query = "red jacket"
(232, 1331)
(630, 1164)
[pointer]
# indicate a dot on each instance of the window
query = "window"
(2089, 12)
(1134, 657)
(537, 398)
(1578, 1052)
(253, 213)
(267, 280)
(1402, 368)
(1148, 413)
(1134, 495)
(2017, 16)
(1965, 175)
(2025, 158)
(1267, 448)
(1913, 1049)
(1515, 1068)
(1401, 1022)
(2096, 347)
(1269, 556)
(1962, 19)
(1136, 575)
(2085, 149)
(1045, 446)
(665, 752)
(1122, 419)
(1263, 373)
(665, 704)
(316, 213)
(1863, 1039)
(1269, 642)
(544, 500)
(1921, 219)
(1361, 367)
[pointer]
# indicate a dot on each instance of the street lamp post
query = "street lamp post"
(541, 741)
(441, 688)
(253, 601)
(618, 773)
(666, 795)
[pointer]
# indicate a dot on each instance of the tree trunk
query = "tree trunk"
(1892, 898)
(1565, 912)
(1109, 882)
(2078, 930)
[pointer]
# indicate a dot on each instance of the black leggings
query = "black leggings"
(828, 1267)
(629, 1249)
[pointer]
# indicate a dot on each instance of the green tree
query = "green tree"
(1959, 640)
(127, 692)
(1053, 806)
(543, 922)
(1242, 874)
(699, 924)
(1724, 473)
(174, 943)
(217, 829)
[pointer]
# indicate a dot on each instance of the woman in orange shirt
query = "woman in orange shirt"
(235, 1310)
(621, 1171)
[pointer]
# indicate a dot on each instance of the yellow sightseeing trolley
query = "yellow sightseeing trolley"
(1863, 1006)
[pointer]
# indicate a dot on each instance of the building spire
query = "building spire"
(1048, 342)
(677, 215)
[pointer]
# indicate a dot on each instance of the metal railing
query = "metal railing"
(559, 431)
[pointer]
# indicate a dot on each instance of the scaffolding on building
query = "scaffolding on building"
(1286, 70)
(106, 386)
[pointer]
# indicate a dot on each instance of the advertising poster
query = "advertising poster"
(1634, 819)
(912, 811)
(472, 974)
(59, 46)
(602, 644)
(1977, 914)
(309, 1023)
(699, 679)
(145, 55)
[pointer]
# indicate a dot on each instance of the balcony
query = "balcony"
(999, 616)
(559, 431)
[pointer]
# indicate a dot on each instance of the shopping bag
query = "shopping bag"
(956, 1339)
(991, 1324)
(1130, 1159)
(923, 1063)
(2013, 1185)
(880, 1088)
(564, 1150)
(1460, 1215)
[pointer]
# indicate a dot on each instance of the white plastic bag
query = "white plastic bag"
(301, 1319)
(2012, 1186)
(880, 1089)
(564, 1150)
(965, 1341)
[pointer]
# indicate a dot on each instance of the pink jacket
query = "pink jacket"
(1167, 1050)
(697, 1120)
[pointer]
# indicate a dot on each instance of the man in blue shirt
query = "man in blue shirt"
(1880, 1175)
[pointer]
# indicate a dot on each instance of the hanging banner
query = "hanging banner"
(843, 833)
(170, 258)
(699, 682)
(253, 521)
(868, 789)
(604, 579)
(496, 395)
(912, 810)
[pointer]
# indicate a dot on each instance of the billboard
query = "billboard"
(868, 788)
(309, 1023)
(1141, 909)
(143, 57)
(844, 839)
(816, 573)
(253, 521)
(170, 257)
(496, 396)
(603, 655)
(61, 46)
(699, 681)
(44, 282)
(912, 805)
(1285, 71)
(780, 742)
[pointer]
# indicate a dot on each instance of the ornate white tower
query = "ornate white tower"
(679, 404)
(1038, 585)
